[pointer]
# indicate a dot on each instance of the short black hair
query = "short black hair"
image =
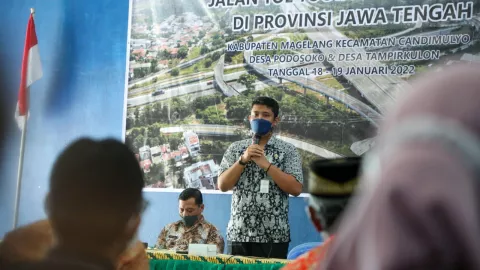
(95, 189)
(191, 193)
(269, 102)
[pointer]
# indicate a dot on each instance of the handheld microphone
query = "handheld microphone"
(256, 138)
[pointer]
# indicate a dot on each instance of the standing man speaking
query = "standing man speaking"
(262, 172)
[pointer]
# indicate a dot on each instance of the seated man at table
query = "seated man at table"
(192, 228)
(331, 184)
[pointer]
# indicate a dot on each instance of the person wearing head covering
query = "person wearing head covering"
(330, 185)
(418, 203)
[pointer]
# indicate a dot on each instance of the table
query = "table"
(164, 259)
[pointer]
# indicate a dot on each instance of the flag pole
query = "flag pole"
(20, 170)
(21, 158)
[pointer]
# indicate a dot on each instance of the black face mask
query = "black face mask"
(189, 221)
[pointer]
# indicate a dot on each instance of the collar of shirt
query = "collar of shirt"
(272, 141)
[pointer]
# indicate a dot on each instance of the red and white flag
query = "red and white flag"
(31, 72)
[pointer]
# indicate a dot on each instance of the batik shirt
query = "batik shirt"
(261, 217)
(176, 236)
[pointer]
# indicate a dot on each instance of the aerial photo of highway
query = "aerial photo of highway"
(189, 96)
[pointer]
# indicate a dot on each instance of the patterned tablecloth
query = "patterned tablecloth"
(165, 258)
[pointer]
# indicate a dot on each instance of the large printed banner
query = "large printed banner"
(335, 66)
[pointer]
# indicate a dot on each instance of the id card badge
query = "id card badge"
(264, 186)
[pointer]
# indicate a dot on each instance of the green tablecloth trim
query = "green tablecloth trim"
(219, 259)
(194, 265)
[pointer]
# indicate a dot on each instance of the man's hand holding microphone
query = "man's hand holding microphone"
(256, 153)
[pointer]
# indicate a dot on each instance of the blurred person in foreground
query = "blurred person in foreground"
(418, 204)
(32, 242)
(94, 206)
(331, 184)
(192, 228)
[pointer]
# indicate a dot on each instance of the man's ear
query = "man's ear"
(47, 204)
(202, 206)
(315, 220)
(276, 120)
(132, 226)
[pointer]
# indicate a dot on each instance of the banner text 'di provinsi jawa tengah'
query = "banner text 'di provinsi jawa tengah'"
(348, 17)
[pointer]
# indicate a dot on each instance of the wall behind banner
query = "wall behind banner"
(83, 51)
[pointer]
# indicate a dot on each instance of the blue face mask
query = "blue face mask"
(260, 126)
